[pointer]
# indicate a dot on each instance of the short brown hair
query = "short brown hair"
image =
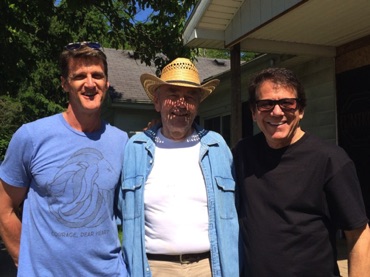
(83, 52)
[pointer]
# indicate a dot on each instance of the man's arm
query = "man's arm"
(10, 224)
(358, 245)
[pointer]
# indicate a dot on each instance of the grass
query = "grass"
(120, 232)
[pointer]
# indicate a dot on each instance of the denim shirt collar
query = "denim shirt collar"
(152, 132)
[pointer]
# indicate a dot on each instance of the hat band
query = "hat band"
(184, 82)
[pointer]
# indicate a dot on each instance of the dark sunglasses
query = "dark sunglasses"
(285, 104)
(76, 45)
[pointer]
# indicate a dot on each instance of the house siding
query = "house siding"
(318, 78)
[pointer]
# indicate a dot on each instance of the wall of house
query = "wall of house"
(317, 76)
(133, 120)
(218, 103)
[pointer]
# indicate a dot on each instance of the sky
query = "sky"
(143, 14)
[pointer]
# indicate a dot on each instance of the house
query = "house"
(131, 109)
(327, 44)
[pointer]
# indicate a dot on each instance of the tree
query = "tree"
(155, 39)
(10, 121)
(33, 33)
(163, 31)
(225, 54)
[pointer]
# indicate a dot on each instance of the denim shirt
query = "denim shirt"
(216, 163)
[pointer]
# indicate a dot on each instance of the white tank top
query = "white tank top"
(175, 199)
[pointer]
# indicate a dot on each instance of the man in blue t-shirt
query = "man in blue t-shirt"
(65, 169)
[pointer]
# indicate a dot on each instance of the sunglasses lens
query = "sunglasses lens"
(76, 45)
(93, 45)
(286, 104)
(72, 46)
(265, 105)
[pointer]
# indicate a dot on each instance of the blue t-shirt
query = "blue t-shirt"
(68, 222)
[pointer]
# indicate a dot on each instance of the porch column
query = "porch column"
(236, 101)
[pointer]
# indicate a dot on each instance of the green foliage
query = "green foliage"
(225, 54)
(120, 234)
(20, 37)
(33, 33)
(10, 110)
(163, 31)
(156, 38)
(248, 56)
(214, 53)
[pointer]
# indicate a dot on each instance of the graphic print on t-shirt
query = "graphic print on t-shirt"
(75, 196)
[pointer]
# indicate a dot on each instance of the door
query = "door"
(353, 100)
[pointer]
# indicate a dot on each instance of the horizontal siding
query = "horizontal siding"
(318, 78)
(134, 120)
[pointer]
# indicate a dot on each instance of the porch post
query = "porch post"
(236, 103)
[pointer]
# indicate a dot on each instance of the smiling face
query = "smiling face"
(86, 86)
(178, 107)
(281, 128)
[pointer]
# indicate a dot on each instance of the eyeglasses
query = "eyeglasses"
(77, 45)
(286, 104)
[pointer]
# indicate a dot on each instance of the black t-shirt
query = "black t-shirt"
(292, 200)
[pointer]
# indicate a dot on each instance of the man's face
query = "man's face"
(178, 107)
(281, 128)
(86, 85)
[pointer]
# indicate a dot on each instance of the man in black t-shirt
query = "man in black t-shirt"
(295, 190)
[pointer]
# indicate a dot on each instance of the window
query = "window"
(221, 125)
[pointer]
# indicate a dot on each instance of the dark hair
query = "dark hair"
(83, 52)
(281, 76)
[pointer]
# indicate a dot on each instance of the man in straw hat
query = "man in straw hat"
(177, 195)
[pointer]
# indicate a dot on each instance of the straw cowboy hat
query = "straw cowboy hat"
(180, 72)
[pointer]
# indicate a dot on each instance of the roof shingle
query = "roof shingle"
(124, 73)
